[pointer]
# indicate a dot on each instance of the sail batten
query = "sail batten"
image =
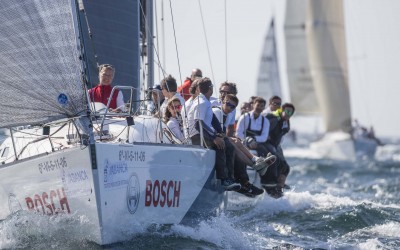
(40, 69)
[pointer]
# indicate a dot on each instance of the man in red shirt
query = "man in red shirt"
(101, 93)
(184, 88)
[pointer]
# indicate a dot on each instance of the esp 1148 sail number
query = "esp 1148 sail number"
(130, 155)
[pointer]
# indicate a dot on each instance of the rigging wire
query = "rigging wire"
(176, 44)
(208, 48)
(226, 43)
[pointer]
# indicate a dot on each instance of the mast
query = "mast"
(150, 45)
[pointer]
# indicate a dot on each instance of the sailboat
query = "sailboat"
(317, 76)
(328, 65)
(114, 171)
(268, 82)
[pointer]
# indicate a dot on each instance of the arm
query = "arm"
(207, 131)
(216, 121)
(230, 123)
(240, 128)
(175, 129)
(120, 102)
(230, 130)
(216, 124)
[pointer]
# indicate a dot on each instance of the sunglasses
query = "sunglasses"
(230, 105)
(177, 107)
(288, 112)
(276, 104)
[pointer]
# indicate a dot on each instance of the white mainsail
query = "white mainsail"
(40, 75)
(301, 88)
(328, 62)
(268, 82)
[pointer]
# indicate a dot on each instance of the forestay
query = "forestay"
(40, 70)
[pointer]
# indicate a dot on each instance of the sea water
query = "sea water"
(332, 205)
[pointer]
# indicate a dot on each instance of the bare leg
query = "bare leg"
(241, 147)
(242, 152)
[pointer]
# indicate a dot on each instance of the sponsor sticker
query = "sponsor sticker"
(115, 174)
(76, 182)
(133, 193)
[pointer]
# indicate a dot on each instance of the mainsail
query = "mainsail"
(40, 70)
(301, 88)
(268, 82)
(328, 62)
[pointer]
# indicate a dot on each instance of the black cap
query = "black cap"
(157, 86)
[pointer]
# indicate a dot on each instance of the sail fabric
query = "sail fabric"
(328, 62)
(268, 82)
(40, 70)
(115, 32)
(301, 88)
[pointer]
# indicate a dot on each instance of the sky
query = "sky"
(372, 37)
(246, 26)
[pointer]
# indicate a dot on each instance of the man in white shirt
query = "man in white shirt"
(200, 120)
(243, 157)
(253, 128)
(224, 89)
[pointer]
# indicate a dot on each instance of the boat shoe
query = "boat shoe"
(262, 163)
(250, 190)
(230, 185)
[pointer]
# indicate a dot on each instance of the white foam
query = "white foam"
(24, 228)
(218, 230)
(389, 152)
(371, 244)
(390, 229)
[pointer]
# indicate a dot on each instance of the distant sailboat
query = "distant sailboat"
(328, 66)
(268, 82)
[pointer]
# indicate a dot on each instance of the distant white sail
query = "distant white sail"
(268, 82)
(40, 70)
(328, 62)
(301, 88)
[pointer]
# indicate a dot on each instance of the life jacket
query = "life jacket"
(252, 132)
(101, 93)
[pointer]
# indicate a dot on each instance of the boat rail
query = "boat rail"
(128, 114)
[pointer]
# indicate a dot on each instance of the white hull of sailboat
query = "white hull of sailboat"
(340, 146)
(114, 187)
